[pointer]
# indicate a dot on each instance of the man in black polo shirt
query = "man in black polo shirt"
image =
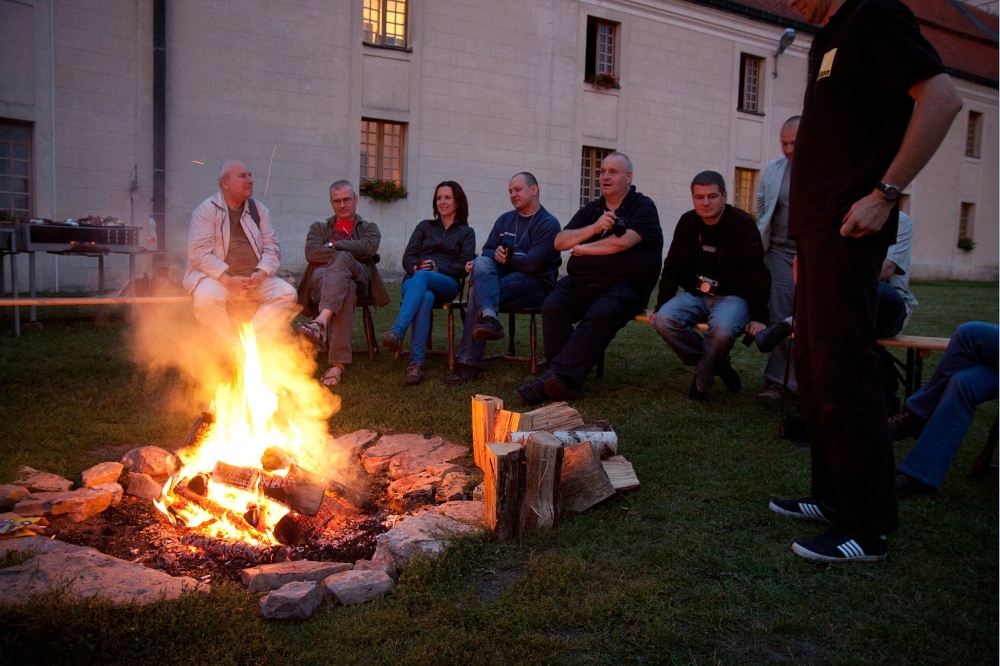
(717, 258)
(877, 106)
(615, 243)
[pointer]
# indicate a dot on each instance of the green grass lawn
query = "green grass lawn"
(693, 567)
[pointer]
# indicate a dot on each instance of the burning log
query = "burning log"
(275, 457)
(237, 550)
(301, 490)
(199, 431)
(294, 529)
(220, 512)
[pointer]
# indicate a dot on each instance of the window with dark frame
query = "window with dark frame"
(382, 150)
(385, 23)
(600, 61)
(974, 134)
(590, 173)
(745, 190)
(966, 221)
(15, 169)
(751, 84)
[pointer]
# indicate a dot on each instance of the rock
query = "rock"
(11, 494)
(144, 487)
(357, 587)
(150, 460)
(409, 492)
(379, 562)
(426, 534)
(74, 505)
(266, 577)
(470, 513)
(452, 487)
(349, 447)
(376, 458)
(435, 451)
(114, 488)
(479, 493)
(83, 572)
(440, 469)
(105, 472)
(41, 482)
(295, 599)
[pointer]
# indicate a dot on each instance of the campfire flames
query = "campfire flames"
(222, 487)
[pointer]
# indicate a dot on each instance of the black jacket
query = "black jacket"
(743, 271)
(450, 248)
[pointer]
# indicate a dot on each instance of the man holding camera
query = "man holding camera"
(517, 269)
(615, 244)
(717, 257)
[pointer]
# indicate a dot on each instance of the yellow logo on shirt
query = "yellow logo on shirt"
(827, 65)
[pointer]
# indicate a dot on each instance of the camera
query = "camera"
(620, 226)
(508, 248)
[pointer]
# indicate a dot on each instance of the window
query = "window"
(745, 190)
(385, 23)
(966, 219)
(751, 83)
(600, 64)
(15, 169)
(973, 134)
(590, 173)
(382, 150)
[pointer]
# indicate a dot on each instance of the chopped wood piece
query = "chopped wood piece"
(200, 430)
(554, 416)
(218, 511)
(330, 507)
(621, 473)
(503, 423)
(603, 425)
(300, 490)
(288, 532)
(484, 408)
(275, 457)
(234, 549)
(605, 443)
(503, 498)
(543, 504)
(584, 482)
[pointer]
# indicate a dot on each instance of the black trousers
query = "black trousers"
(836, 363)
(602, 309)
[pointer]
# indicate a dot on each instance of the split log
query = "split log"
(503, 423)
(554, 416)
(504, 486)
(199, 431)
(605, 443)
(294, 529)
(543, 504)
(238, 550)
(484, 408)
(275, 457)
(584, 481)
(217, 511)
(621, 473)
(300, 490)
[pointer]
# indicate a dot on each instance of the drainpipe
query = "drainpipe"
(160, 126)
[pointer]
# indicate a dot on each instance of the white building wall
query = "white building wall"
(486, 90)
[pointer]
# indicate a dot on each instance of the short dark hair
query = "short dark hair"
(461, 202)
(529, 178)
(791, 121)
(709, 178)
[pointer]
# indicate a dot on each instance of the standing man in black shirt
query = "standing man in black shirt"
(717, 258)
(615, 243)
(877, 106)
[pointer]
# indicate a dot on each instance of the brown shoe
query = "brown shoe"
(906, 424)
(774, 391)
(414, 375)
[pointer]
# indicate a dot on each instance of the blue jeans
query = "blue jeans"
(420, 292)
(495, 290)
(965, 378)
(726, 316)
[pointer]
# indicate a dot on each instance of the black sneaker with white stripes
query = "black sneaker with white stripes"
(805, 508)
(835, 546)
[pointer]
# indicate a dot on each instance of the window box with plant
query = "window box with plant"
(385, 191)
(966, 244)
(606, 80)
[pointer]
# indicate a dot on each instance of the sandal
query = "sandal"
(315, 332)
(332, 376)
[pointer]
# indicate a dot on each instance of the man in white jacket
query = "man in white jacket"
(233, 255)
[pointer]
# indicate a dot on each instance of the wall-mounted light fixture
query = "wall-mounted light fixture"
(787, 37)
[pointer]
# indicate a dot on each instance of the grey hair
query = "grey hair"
(224, 169)
(343, 185)
(623, 157)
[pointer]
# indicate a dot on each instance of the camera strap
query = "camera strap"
(788, 362)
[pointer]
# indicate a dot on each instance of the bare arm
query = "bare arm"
(937, 104)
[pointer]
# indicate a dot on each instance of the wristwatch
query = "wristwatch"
(890, 192)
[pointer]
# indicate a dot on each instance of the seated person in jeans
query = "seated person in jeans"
(940, 412)
(609, 277)
(716, 256)
(341, 252)
(517, 269)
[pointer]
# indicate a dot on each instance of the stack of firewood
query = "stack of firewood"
(538, 464)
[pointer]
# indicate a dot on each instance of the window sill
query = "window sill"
(759, 114)
(606, 90)
(383, 47)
